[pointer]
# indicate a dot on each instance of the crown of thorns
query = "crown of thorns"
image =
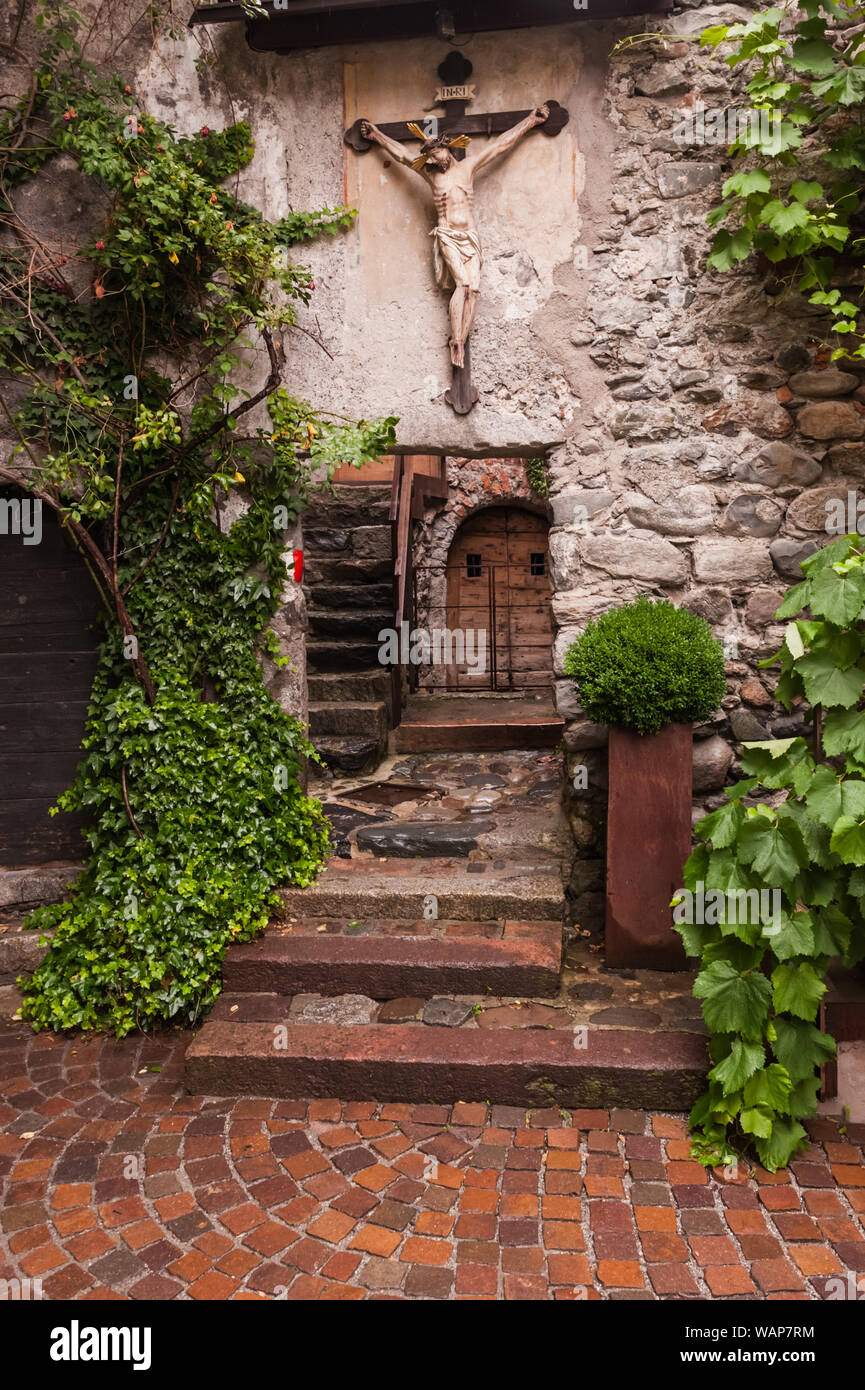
(441, 142)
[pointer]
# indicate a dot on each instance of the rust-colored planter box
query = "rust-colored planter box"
(648, 841)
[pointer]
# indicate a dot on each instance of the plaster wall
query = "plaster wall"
(376, 307)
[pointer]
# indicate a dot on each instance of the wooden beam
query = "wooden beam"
(318, 23)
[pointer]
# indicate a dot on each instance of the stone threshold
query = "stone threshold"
(531, 1067)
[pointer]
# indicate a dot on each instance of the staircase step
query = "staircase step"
(426, 839)
(342, 568)
(340, 657)
(535, 1068)
(349, 625)
(347, 596)
(388, 967)
(456, 735)
(350, 752)
(340, 717)
(365, 686)
(352, 505)
(530, 890)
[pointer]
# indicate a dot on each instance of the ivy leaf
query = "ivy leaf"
(814, 834)
(813, 55)
(826, 684)
(803, 1098)
(733, 1003)
(800, 1047)
(742, 1061)
(794, 600)
(830, 797)
(695, 868)
(832, 932)
(792, 936)
(784, 218)
(827, 556)
(725, 873)
(844, 732)
(727, 249)
(797, 990)
(756, 1121)
(695, 936)
(770, 1087)
(776, 1151)
(805, 192)
(768, 850)
(793, 641)
(848, 840)
(722, 826)
(773, 761)
(757, 181)
(846, 86)
(838, 597)
(733, 951)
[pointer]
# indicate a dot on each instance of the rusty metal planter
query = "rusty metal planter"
(648, 841)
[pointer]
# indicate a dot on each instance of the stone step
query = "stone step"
(422, 839)
(525, 960)
(348, 626)
(529, 1067)
(339, 657)
(457, 735)
(347, 596)
(344, 568)
(363, 686)
(352, 505)
(351, 753)
(338, 717)
(528, 889)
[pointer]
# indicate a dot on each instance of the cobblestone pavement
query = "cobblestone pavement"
(116, 1184)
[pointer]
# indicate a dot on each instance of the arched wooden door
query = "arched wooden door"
(498, 583)
(48, 640)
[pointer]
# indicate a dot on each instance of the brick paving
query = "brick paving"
(117, 1184)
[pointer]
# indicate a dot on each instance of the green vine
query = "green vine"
(130, 432)
(775, 890)
(809, 80)
(536, 472)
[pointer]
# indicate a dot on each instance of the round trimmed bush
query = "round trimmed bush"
(646, 665)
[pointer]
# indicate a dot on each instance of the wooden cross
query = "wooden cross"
(454, 95)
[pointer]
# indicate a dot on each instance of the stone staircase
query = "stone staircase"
(426, 962)
(348, 573)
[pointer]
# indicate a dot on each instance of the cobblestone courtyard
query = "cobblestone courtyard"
(117, 1184)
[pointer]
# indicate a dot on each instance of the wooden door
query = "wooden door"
(498, 584)
(48, 639)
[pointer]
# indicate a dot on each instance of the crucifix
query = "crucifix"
(442, 163)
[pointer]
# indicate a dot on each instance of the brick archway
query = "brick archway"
(476, 486)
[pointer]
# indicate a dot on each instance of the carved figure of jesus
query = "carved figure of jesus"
(457, 247)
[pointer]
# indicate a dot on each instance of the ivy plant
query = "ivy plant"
(807, 75)
(779, 871)
(129, 408)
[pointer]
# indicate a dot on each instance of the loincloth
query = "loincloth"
(466, 247)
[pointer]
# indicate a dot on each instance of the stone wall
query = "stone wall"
(720, 429)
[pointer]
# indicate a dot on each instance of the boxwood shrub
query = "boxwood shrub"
(645, 665)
